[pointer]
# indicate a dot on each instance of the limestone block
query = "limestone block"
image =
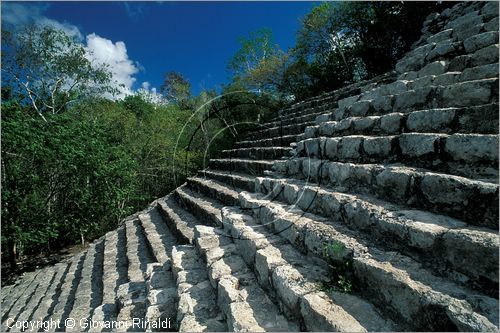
(434, 68)
(360, 108)
(379, 147)
(430, 120)
(416, 144)
(346, 102)
(467, 93)
(480, 72)
(394, 182)
(472, 147)
(486, 55)
(391, 123)
(447, 78)
(491, 25)
(459, 63)
(331, 146)
(413, 98)
(364, 124)
(440, 36)
(490, 10)
(415, 59)
(383, 103)
(480, 41)
(349, 147)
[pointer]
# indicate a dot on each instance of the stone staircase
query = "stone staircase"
(370, 208)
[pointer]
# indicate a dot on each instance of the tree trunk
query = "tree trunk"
(12, 253)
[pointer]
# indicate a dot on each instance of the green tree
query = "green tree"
(49, 69)
(176, 88)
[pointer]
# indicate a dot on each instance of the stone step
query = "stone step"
(301, 111)
(16, 293)
(88, 294)
(469, 155)
(44, 309)
(181, 222)
(161, 289)
(250, 167)
(472, 201)
(206, 210)
(404, 100)
(50, 278)
(23, 307)
(439, 241)
(469, 29)
(283, 141)
(393, 282)
(138, 251)
(272, 132)
(258, 153)
(114, 274)
(132, 296)
(308, 115)
(234, 179)
(197, 309)
(245, 305)
(160, 240)
(215, 190)
(477, 119)
(304, 285)
(66, 295)
(161, 297)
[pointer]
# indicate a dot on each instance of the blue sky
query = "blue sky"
(194, 38)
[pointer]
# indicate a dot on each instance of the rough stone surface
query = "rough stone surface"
(391, 190)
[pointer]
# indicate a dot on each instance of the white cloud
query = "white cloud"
(114, 55)
(16, 15)
(151, 95)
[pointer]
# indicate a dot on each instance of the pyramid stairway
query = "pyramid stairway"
(370, 208)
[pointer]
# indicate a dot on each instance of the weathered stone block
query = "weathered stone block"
(379, 147)
(349, 147)
(415, 59)
(480, 41)
(331, 145)
(491, 25)
(363, 124)
(472, 147)
(383, 103)
(434, 68)
(440, 36)
(486, 55)
(447, 78)
(480, 72)
(459, 63)
(467, 93)
(394, 182)
(413, 98)
(430, 120)
(359, 109)
(346, 102)
(416, 144)
(339, 172)
(391, 123)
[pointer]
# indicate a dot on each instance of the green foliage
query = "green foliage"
(338, 43)
(340, 279)
(48, 69)
(61, 179)
(176, 88)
